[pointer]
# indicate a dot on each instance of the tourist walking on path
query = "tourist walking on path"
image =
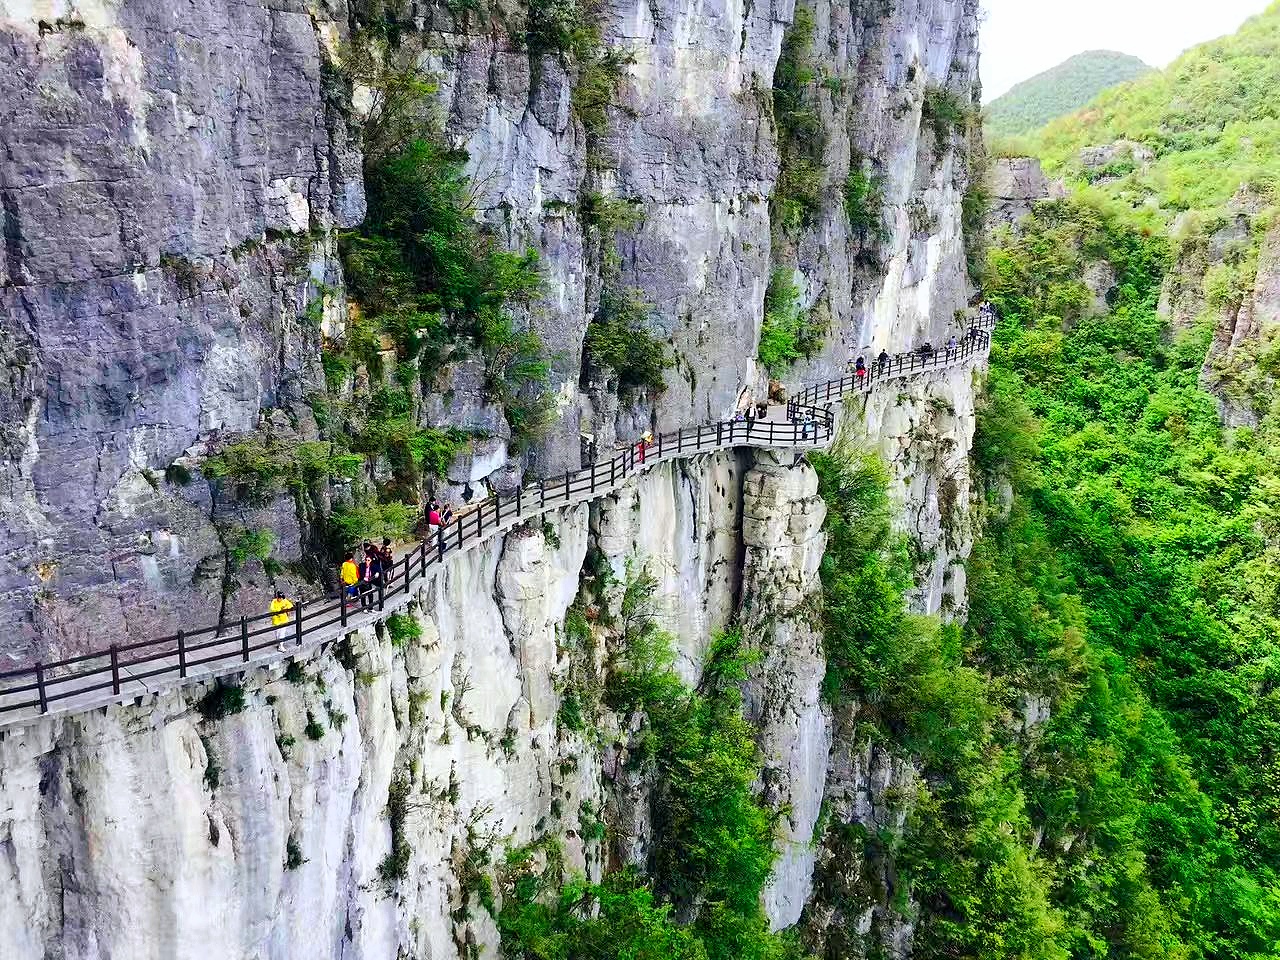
(350, 576)
(884, 362)
(860, 371)
(368, 575)
(280, 608)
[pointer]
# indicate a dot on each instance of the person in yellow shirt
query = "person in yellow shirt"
(280, 608)
(350, 576)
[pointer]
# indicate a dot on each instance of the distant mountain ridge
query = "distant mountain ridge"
(1059, 90)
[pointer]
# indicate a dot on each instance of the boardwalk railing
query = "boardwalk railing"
(132, 669)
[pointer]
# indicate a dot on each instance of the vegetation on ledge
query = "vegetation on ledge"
(802, 135)
(787, 333)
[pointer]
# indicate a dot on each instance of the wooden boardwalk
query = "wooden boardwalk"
(138, 670)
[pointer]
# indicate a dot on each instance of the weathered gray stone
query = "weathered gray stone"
(1014, 185)
(163, 167)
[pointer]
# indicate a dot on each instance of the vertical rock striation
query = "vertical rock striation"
(171, 174)
(171, 183)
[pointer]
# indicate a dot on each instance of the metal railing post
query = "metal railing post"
(342, 601)
(115, 670)
(519, 501)
(593, 478)
(44, 697)
(244, 638)
(297, 622)
(382, 589)
(406, 573)
(182, 654)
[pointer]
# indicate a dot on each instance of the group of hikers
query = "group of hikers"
(360, 578)
(363, 571)
(925, 351)
(755, 411)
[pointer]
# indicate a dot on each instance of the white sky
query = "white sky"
(1019, 39)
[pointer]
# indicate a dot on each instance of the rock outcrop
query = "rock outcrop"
(1240, 365)
(1014, 184)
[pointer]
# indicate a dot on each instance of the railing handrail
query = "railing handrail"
(810, 423)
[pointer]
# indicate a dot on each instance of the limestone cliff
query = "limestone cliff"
(170, 198)
(171, 186)
(1240, 365)
(163, 828)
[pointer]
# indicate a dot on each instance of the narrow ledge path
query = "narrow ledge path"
(148, 668)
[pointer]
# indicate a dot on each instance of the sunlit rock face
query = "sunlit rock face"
(170, 200)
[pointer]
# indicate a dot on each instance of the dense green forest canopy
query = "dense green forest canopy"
(1127, 577)
(1133, 584)
(1059, 90)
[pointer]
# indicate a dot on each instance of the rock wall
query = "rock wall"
(170, 178)
(1014, 184)
(202, 150)
(169, 205)
(1239, 367)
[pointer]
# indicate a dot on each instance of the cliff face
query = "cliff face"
(170, 196)
(159, 829)
(200, 153)
(1240, 364)
(169, 181)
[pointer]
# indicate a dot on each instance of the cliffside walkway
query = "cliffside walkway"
(137, 670)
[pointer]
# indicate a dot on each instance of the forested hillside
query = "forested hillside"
(1127, 583)
(1133, 586)
(1032, 103)
(1202, 127)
